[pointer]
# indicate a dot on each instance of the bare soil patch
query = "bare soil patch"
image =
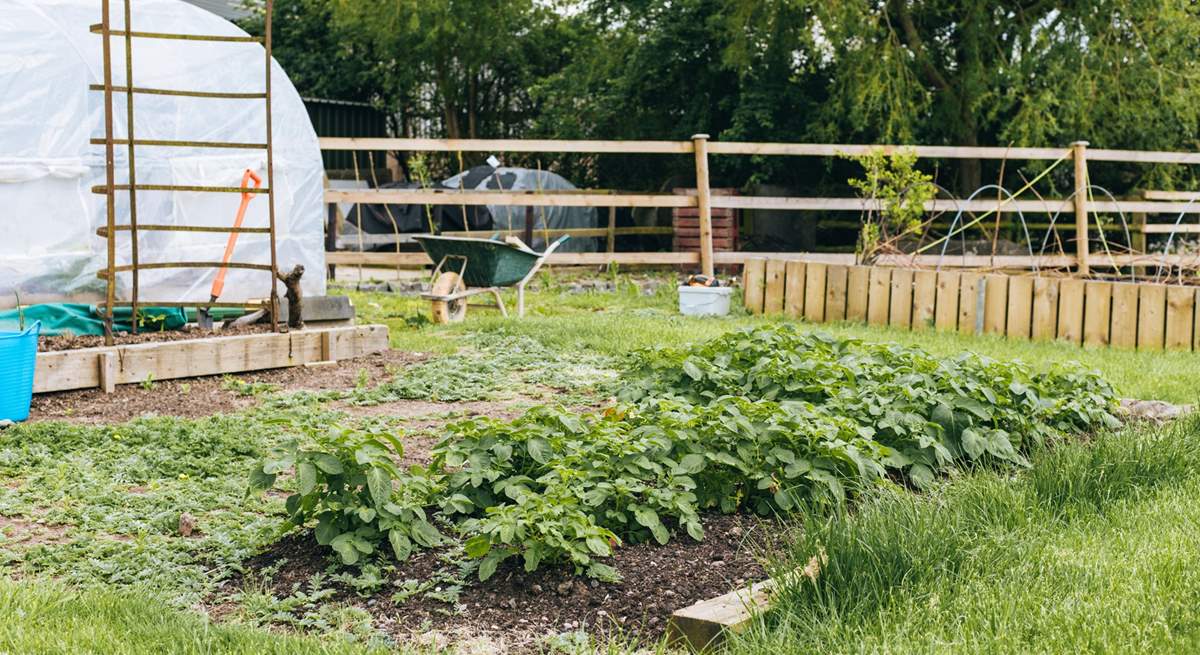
(200, 397)
(519, 609)
(74, 342)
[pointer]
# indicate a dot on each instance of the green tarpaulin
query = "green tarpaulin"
(80, 319)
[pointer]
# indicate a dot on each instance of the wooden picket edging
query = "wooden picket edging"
(1092, 312)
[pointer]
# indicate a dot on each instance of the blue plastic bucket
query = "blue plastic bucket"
(18, 359)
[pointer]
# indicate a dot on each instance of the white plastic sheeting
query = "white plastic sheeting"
(512, 217)
(49, 248)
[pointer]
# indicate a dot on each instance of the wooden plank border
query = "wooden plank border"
(106, 367)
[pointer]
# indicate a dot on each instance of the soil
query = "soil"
(200, 397)
(516, 610)
(73, 342)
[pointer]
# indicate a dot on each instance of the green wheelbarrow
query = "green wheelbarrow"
(469, 267)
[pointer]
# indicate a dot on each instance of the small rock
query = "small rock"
(1153, 410)
(735, 531)
(718, 562)
(669, 593)
(564, 587)
(187, 524)
(536, 589)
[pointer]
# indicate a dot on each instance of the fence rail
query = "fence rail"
(1080, 206)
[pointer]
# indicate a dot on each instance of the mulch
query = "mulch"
(516, 610)
(206, 396)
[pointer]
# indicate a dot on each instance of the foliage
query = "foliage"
(902, 191)
(769, 420)
(930, 411)
(347, 481)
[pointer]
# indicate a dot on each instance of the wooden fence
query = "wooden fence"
(1119, 314)
(1081, 205)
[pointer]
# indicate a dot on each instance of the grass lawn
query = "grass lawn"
(615, 323)
(1093, 548)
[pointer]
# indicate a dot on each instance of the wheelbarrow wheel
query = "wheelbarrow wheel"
(448, 311)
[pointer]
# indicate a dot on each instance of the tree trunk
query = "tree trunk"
(472, 106)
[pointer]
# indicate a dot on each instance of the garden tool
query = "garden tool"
(203, 317)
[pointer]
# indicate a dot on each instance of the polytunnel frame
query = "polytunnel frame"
(109, 189)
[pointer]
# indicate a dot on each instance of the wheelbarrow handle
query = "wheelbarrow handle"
(554, 246)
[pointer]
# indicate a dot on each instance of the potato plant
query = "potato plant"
(768, 420)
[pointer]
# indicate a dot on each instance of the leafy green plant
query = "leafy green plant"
(347, 481)
(902, 191)
(768, 420)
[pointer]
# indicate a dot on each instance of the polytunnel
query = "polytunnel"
(50, 250)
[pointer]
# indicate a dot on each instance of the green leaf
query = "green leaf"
(425, 534)
(692, 463)
(487, 567)
(343, 545)
(973, 443)
(692, 371)
(259, 480)
(694, 530)
(401, 545)
(478, 546)
(784, 500)
(539, 450)
(306, 478)
(921, 476)
(646, 517)
(599, 546)
(380, 486)
(326, 530)
(329, 463)
(603, 572)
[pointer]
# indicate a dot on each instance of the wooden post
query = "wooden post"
(612, 229)
(700, 142)
(1079, 149)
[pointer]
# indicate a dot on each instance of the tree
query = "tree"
(459, 68)
(1120, 73)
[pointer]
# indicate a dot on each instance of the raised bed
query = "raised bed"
(106, 367)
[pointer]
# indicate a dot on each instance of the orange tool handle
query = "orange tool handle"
(218, 285)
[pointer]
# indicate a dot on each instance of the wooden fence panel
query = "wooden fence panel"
(1124, 330)
(858, 285)
(946, 312)
(773, 298)
(924, 299)
(836, 279)
(793, 289)
(814, 293)
(1152, 316)
(1070, 310)
(995, 303)
(754, 276)
(1045, 309)
(877, 297)
(1097, 313)
(1181, 309)
(969, 307)
(1020, 307)
(901, 303)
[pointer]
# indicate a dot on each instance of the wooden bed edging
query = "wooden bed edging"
(106, 367)
(703, 626)
(1092, 312)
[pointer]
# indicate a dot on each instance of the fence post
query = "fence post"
(1079, 152)
(612, 229)
(700, 142)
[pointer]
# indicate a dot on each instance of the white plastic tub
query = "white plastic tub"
(704, 301)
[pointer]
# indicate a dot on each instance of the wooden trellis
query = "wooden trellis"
(132, 186)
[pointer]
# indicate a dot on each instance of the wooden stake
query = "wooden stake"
(1079, 148)
(700, 141)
